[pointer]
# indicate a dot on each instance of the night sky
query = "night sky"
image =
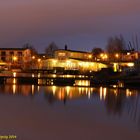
(81, 24)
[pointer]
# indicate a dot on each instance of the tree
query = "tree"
(31, 47)
(52, 47)
(116, 45)
(97, 51)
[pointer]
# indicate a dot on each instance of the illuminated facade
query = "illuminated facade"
(73, 60)
(15, 57)
(71, 64)
(71, 54)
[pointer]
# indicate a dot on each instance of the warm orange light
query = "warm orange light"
(101, 55)
(14, 58)
(116, 55)
(105, 56)
(39, 60)
(14, 74)
(68, 61)
(130, 64)
(33, 57)
(54, 61)
(90, 56)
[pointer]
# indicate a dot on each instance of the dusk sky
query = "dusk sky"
(81, 24)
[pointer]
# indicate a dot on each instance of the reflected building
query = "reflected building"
(114, 101)
(15, 89)
(117, 101)
(63, 93)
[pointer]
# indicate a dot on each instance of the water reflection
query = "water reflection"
(117, 101)
(114, 101)
(103, 92)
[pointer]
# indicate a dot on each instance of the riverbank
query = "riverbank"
(97, 78)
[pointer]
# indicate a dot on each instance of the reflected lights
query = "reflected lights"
(68, 90)
(103, 92)
(33, 89)
(14, 88)
(14, 74)
(128, 93)
(54, 89)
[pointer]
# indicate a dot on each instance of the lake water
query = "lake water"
(69, 113)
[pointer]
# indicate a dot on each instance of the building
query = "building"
(72, 60)
(72, 54)
(16, 57)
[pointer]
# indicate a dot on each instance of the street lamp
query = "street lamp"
(89, 56)
(14, 58)
(39, 60)
(117, 55)
(33, 57)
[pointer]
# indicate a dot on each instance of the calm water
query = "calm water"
(69, 113)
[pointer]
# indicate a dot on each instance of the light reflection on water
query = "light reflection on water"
(69, 92)
(116, 101)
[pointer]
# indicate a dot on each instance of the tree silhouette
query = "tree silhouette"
(116, 44)
(97, 51)
(31, 47)
(52, 47)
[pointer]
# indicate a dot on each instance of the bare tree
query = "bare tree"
(31, 47)
(52, 47)
(97, 51)
(116, 44)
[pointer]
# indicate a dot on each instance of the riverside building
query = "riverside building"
(18, 58)
(73, 60)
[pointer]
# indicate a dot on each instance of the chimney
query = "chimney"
(66, 47)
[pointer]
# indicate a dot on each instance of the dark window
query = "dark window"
(12, 53)
(3, 53)
(19, 54)
(3, 58)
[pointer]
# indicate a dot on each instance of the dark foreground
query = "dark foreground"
(69, 113)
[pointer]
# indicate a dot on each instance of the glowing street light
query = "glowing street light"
(117, 55)
(33, 57)
(105, 56)
(89, 56)
(101, 55)
(39, 60)
(15, 58)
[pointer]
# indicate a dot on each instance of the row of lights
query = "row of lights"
(33, 57)
(102, 55)
(105, 56)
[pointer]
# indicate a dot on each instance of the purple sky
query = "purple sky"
(81, 24)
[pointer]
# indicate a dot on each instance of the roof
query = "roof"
(13, 48)
(72, 51)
